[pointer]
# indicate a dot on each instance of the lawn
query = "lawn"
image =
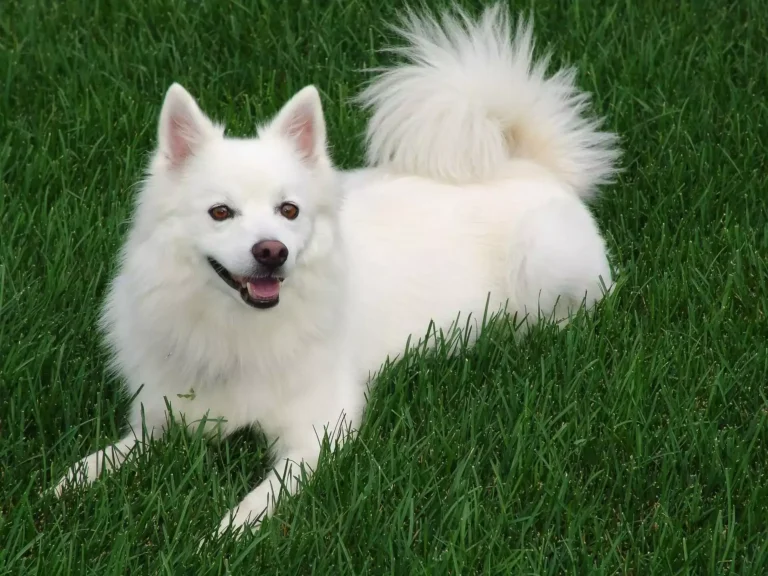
(633, 442)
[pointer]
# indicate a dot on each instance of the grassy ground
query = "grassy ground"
(631, 443)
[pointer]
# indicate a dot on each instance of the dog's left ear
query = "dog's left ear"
(301, 120)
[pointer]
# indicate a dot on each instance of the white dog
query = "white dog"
(260, 287)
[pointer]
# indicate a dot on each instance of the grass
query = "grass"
(633, 442)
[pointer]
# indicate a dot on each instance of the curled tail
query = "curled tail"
(470, 97)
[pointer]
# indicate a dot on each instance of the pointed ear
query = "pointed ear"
(301, 119)
(183, 126)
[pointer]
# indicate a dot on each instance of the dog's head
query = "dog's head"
(249, 211)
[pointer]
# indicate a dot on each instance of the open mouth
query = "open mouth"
(256, 291)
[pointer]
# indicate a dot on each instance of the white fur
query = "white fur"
(471, 96)
(480, 166)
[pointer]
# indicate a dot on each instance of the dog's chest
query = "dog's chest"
(269, 394)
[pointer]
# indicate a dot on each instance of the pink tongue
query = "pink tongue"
(264, 289)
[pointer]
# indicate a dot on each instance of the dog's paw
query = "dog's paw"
(241, 519)
(84, 472)
(237, 522)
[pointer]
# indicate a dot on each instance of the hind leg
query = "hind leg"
(561, 262)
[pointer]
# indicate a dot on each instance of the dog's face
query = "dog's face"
(249, 210)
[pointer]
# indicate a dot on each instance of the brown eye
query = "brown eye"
(220, 212)
(289, 210)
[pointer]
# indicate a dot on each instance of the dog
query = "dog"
(260, 286)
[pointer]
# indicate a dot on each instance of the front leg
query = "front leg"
(85, 471)
(332, 413)
(284, 478)
(88, 469)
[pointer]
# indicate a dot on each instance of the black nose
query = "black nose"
(270, 253)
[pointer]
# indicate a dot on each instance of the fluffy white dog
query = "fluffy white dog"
(260, 287)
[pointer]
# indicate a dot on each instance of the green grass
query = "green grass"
(633, 442)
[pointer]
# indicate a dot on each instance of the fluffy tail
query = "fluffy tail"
(470, 97)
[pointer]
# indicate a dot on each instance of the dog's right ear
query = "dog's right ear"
(183, 126)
